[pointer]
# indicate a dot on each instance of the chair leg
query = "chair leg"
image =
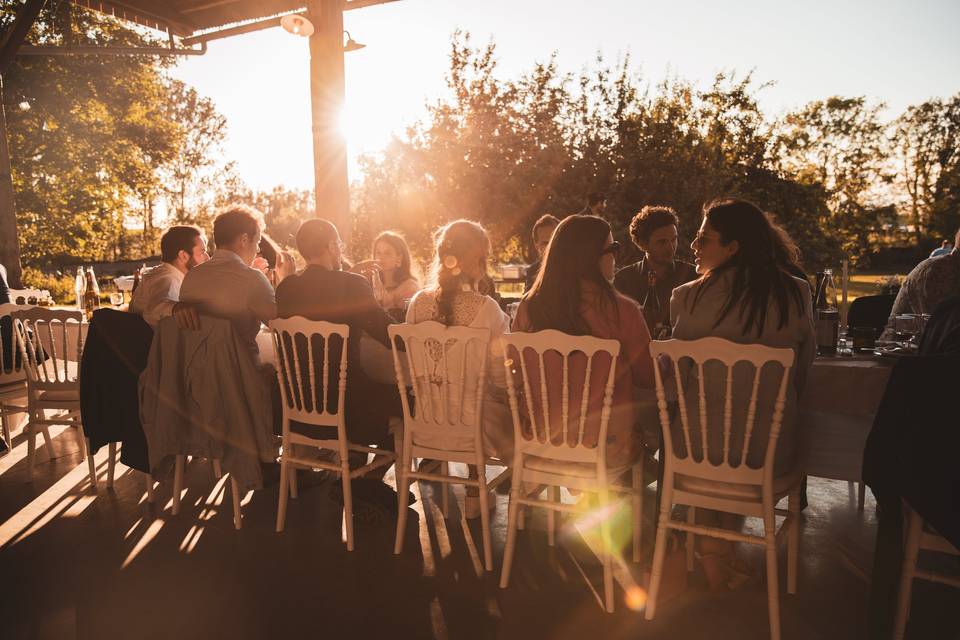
(47, 440)
(403, 498)
(485, 520)
(5, 419)
(91, 464)
(691, 539)
(445, 491)
(217, 469)
(861, 495)
(553, 497)
(111, 463)
(773, 582)
(347, 501)
(793, 540)
(149, 485)
(606, 550)
(659, 555)
(637, 507)
(235, 492)
(177, 483)
(285, 490)
(513, 517)
(294, 487)
(911, 550)
(31, 447)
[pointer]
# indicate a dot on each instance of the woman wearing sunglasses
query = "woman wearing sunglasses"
(573, 294)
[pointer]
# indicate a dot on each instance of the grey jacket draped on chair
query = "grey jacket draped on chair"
(202, 395)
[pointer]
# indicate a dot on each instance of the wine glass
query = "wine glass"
(907, 328)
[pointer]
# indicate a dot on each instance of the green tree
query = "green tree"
(927, 140)
(78, 148)
(840, 144)
(193, 175)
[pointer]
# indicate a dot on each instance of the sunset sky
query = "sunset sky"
(896, 51)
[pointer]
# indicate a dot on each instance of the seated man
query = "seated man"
(182, 248)
(322, 291)
(543, 230)
(651, 281)
(930, 283)
(227, 285)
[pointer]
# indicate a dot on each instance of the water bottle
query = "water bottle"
(826, 314)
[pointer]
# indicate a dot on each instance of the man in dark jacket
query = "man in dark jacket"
(322, 291)
(651, 281)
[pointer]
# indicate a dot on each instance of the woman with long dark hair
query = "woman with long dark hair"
(391, 271)
(452, 297)
(746, 293)
(573, 294)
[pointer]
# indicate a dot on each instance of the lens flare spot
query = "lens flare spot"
(450, 262)
(636, 598)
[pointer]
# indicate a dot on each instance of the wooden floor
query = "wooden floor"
(106, 564)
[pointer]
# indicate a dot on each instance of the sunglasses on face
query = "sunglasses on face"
(701, 238)
(612, 248)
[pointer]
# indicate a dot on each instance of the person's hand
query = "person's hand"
(379, 291)
(285, 266)
(260, 264)
(186, 316)
(365, 266)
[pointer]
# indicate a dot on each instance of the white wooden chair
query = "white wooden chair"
(446, 423)
(52, 362)
(13, 381)
(540, 458)
(731, 486)
(306, 389)
(919, 537)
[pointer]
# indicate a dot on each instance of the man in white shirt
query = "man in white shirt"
(182, 248)
(228, 286)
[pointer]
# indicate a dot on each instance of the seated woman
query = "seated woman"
(390, 273)
(460, 264)
(745, 294)
(573, 294)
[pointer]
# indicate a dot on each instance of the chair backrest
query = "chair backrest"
(871, 311)
(311, 361)
(719, 459)
(565, 414)
(11, 363)
(51, 343)
(446, 368)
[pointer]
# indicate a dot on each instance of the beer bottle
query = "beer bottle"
(91, 296)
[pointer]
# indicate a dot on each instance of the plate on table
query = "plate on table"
(894, 351)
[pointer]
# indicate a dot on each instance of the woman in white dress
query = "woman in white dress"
(452, 298)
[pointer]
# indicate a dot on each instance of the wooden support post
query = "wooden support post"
(9, 238)
(331, 188)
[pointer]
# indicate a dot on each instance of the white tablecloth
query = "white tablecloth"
(837, 408)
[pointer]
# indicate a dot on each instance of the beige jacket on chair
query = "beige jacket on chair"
(202, 395)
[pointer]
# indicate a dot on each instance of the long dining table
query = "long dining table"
(837, 408)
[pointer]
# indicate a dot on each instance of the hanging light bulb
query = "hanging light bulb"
(297, 25)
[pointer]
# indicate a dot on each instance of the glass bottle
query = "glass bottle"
(826, 314)
(91, 297)
(80, 287)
